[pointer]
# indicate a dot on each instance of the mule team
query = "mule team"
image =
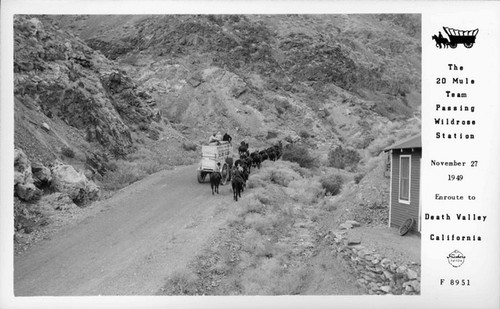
(242, 167)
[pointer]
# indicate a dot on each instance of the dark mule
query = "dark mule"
(243, 148)
(271, 153)
(263, 155)
(237, 184)
(256, 159)
(215, 178)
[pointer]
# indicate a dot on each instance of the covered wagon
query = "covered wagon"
(213, 154)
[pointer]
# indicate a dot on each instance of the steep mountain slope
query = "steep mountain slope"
(63, 81)
(259, 76)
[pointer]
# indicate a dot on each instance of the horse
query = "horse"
(227, 138)
(237, 184)
(440, 41)
(215, 178)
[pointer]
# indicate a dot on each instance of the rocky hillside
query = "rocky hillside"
(259, 76)
(59, 77)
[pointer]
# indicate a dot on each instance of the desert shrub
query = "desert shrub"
(271, 278)
(306, 191)
(299, 154)
(304, 134)
(378, 145)
(27, 218)
(149, 167)
(332, 184)
(358, 177)
(126, 174)
(255, 243)
(189, 146)
(143, 126)
(264, 196)
(258, 222)
(342, 158)
(111, 165)
(280, 177)
(182, 282)
(256, 180)
(252, 206)
(154, 134)
(271, 134)
(329, 205)
(68, 152)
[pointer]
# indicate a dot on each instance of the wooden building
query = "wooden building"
(405, 157)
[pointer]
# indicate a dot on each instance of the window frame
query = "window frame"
(400, 199)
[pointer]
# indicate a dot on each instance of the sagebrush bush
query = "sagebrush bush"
(329, 205)
(252, 205)
(358, 177)
(111, 165)
(306, 191)
(271, 278)
(255, 243)
(304, 134)
(332, 184)
(182, 282)
(126, 174)
(342, 158)
(256, 180)
(189, 146)
(299, 154)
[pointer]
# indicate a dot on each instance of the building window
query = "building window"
(404, 179)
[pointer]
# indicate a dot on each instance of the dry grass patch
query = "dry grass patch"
(182, 282)
(274, 277)
(306, 191)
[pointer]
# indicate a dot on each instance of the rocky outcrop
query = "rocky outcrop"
(29, 179)
(64, 78)
(24, 187)
(67, 180)
(42, 176)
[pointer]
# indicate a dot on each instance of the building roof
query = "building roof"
(410, 142)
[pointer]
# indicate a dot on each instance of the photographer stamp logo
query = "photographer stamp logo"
(456, 258)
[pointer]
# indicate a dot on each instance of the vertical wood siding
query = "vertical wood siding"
(399, 211)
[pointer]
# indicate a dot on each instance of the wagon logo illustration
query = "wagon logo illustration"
(455, 37)
(456, 258)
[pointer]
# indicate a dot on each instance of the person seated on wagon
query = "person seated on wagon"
(218, 136)
(213, 139)
(227, 138)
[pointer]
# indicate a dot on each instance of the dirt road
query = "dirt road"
(140, 236)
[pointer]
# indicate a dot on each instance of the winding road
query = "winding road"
(141, 235)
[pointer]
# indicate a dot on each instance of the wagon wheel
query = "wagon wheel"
(407, 225)
(453, 45)
(468, 45)
(201, 176)
(225, 174)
